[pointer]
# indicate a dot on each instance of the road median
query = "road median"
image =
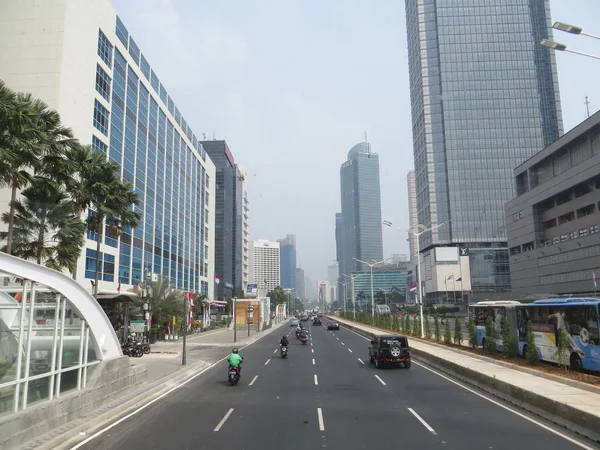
(561, 403)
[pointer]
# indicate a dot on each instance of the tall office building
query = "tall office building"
(78, 57)
(227, 213)
(287, 247)
(266, 266)
(413, 216)
(241, 271)
(484, 98)
(361, 208)
(300, 284)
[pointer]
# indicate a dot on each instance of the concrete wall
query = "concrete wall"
(108, 380)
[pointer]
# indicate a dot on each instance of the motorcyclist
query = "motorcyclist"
(284, 341)
(235, 359)
(303, 335)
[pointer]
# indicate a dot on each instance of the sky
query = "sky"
(292, 85)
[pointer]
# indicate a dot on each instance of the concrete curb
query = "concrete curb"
(566, 416)
(121, 407)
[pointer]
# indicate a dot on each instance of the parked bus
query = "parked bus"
(579, 317)
(496, 310)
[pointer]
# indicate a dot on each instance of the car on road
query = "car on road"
(295, 322)
(389, 349)
(333, 325)
(317, 321)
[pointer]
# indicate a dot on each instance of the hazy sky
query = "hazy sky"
(292, 85)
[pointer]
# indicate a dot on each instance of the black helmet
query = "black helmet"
(235, 350)
(284, 336)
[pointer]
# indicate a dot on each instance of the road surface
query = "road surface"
(327, 395)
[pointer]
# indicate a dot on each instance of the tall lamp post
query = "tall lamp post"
(423, 229)
(571, 29)
(372, 293)
(351, 290)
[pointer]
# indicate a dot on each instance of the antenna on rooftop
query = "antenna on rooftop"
(587, 105)
(367, 146)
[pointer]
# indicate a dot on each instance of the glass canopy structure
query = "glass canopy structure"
(52, 334)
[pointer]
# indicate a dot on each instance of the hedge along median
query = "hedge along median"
(567, 416)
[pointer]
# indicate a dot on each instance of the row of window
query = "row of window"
(556, 239)
(572, 255)
(570, 216)
(106, 264)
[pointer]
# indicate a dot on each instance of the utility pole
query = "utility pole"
(234, 300)
(186, 315)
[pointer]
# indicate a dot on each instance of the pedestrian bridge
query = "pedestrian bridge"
(54, 339)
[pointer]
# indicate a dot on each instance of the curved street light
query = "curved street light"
(372, 294)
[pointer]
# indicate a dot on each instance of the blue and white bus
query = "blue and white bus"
(579, 317)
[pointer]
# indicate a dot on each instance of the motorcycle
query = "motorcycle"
(284, 351)
(234, 375)
(303, 339)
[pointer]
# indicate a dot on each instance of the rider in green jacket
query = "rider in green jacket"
(235, 359)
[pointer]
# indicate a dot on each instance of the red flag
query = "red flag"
(119, 286)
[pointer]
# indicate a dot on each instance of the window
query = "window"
(573, 235)
(515, 250)
(102, 83)
(565, 218)
(564, 237)
(105, 49)
(98, 145)
(101, 118)
(583, 232)
(556, 240)
(134, 51)
(107, 272)
(145, 68)
(122, 32)
(586, 210)
(593, 229)
(528, 247)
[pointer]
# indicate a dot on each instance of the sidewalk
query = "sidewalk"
(571, 407)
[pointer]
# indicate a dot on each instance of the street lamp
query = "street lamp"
(423, 229)
(572, 29)
(351, 290)
(563, 48)
(372, 294)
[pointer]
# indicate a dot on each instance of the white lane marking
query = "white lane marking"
(314, 361)
(529, 419)
(224, 419)
(311, 343)
(160, 397)
(312, 350)
(380, 380)
(420, 419)
(337, 338)
(316, 381)
(253, 380)
(320, 416)
(275, 351)
(361, 361)
(342, 343)
(350, 350)
(267, 361)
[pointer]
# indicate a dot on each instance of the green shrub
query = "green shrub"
(490, 342)
(447, 333)
(457, 331)
(507, 339)
(427, 327)
(472, 327)
(438, 333)
(530, 352)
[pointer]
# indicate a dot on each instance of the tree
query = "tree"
(490, 341)
(457, 331)
(507, 339)
(415, 326)
(427, 327)
(437, 331)
(112, 203)
(162, 301)
(472, 327)
(530, 350)
(447, 333)
(45, 226)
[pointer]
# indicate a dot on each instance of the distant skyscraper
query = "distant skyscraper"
(413, 216)
(339, 240)
(361, 208)
(300, 284)
(266, 264)
(287, 247)
(398, 258)
(484, 98)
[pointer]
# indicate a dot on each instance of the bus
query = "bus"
(497, 311)
(579, 317)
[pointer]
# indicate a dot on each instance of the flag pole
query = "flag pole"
(454, 287)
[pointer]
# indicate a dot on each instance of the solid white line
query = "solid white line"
(539, 424)
(380, 380)
(253, 380)
(314, 361)
(350, 350)
(320, 416)
(361, 361)
(425, 424)
(267, 361)
(316, 381)
(224, 419)
(151, 402)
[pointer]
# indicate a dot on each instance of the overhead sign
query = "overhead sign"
(252, 291)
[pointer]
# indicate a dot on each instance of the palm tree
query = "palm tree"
(111, 203)
(90, 171)
(46, 228)
(162, 301)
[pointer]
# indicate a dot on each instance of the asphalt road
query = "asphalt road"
(325, 395)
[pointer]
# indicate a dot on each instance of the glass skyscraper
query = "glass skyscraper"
(93, 73)
(484, 97)
(287, 254)
(361, 209)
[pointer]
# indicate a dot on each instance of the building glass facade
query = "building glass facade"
(484, 98)
(287, 254)
(361, 208)
(162, 159)
(387, 281)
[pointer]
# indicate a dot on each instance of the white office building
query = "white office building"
(79, 58)
(266, 265)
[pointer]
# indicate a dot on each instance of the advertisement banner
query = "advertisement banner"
(252, 291)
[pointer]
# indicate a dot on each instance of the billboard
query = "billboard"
(252, 291)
